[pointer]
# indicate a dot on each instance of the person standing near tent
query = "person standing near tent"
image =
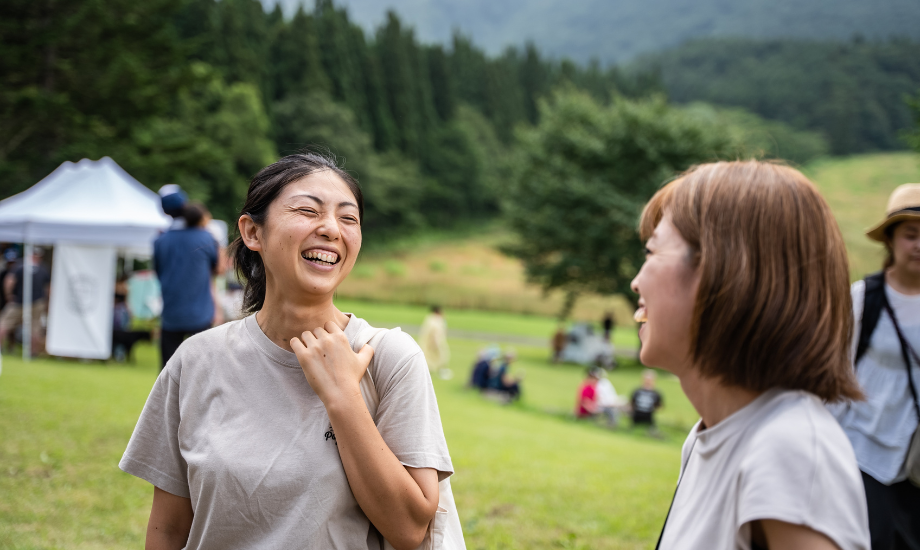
(14, 289)
(886, 354)
(184, 258)
(433, 340)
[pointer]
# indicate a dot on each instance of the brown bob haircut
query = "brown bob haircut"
(773, 308)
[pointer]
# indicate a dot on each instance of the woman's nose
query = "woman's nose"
(634, 284)
(328, 228)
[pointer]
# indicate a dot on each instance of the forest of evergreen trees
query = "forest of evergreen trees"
(851, 92)
(205, 92)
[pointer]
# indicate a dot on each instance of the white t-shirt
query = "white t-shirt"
(880, 428)
(606, 395)
(232, 424)
(781, 457)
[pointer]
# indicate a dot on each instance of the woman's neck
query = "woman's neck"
(902, 281)
(284, 318)
(712, 400)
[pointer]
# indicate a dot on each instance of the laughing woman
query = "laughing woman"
(255, 435)
(744, 297)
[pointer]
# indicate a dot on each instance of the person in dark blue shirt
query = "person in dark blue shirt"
(184, 258)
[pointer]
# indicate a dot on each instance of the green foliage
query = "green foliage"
(585, 172)
(212, 139)
(912, 136)
(76, 78)
(851, 92)
(761, 138)
(392, 186)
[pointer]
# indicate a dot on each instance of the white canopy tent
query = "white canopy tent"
(92, 203)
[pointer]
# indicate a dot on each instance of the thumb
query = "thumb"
(365, 355)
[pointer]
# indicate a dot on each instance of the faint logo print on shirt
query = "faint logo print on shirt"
(331, 435)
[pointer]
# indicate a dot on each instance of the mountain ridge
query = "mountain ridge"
(618, 32)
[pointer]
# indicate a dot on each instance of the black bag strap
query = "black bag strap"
(906, 352)
(874, 301)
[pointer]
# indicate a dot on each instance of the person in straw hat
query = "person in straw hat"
(886, 306)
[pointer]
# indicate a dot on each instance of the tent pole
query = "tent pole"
(27, 296)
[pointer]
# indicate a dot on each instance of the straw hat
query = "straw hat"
(903, 204)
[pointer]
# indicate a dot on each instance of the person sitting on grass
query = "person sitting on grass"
(255, 434)
(479, 378)
(587, 396)
(645, 401)
(744, 296)
(501, 381)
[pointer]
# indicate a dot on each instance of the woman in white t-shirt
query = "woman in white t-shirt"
(255, 434)
(744, 297)
(881, 427)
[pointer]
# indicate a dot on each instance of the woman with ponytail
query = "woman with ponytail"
(256, 435)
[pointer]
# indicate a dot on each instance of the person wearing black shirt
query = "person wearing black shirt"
(646, 400)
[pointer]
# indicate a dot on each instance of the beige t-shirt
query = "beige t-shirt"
(232, 424)
(781, 457)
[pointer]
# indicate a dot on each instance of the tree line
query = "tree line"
(852, 93)
(204, 93)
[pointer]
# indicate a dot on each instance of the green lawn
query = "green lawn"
(857, 190)
(528, 475)
(473, 320)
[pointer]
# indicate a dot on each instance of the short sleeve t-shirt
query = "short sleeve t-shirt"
(184, 260)
(781, 457)
(232, 424)
(586, 396)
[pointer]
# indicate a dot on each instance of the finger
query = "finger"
(297, 346)
(365, 355)
(319, 332)
(308, 338)
(332, 328)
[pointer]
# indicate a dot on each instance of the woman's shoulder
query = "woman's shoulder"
(795, 423)
(208, 347)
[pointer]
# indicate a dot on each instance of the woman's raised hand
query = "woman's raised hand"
(332, 369)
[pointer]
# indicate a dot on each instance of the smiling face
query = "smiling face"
(905, 246)
(311, 237)
(667, 286)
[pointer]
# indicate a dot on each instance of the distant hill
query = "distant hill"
(616, 31)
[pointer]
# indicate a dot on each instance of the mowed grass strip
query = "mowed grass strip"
(488, 322)
(528, 475)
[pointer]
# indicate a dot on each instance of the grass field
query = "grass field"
(857, 190)
(528, 475)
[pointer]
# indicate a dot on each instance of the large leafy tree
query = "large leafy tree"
(585, 173)
(77, 75)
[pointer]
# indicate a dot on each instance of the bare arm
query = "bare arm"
(773, 533)
(399, 501)
(170, 521)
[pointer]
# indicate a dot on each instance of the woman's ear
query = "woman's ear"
(250, 233)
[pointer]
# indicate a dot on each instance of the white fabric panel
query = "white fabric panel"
(82, 296)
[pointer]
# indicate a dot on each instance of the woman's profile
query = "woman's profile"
(256, 435)
(744, 297)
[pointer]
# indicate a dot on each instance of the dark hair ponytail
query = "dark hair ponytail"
(263, 190)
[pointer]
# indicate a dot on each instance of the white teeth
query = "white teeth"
(639, 316)
(325, 257)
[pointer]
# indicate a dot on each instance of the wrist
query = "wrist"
(344, 401)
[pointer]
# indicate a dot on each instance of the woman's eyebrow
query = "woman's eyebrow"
(321, 202)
